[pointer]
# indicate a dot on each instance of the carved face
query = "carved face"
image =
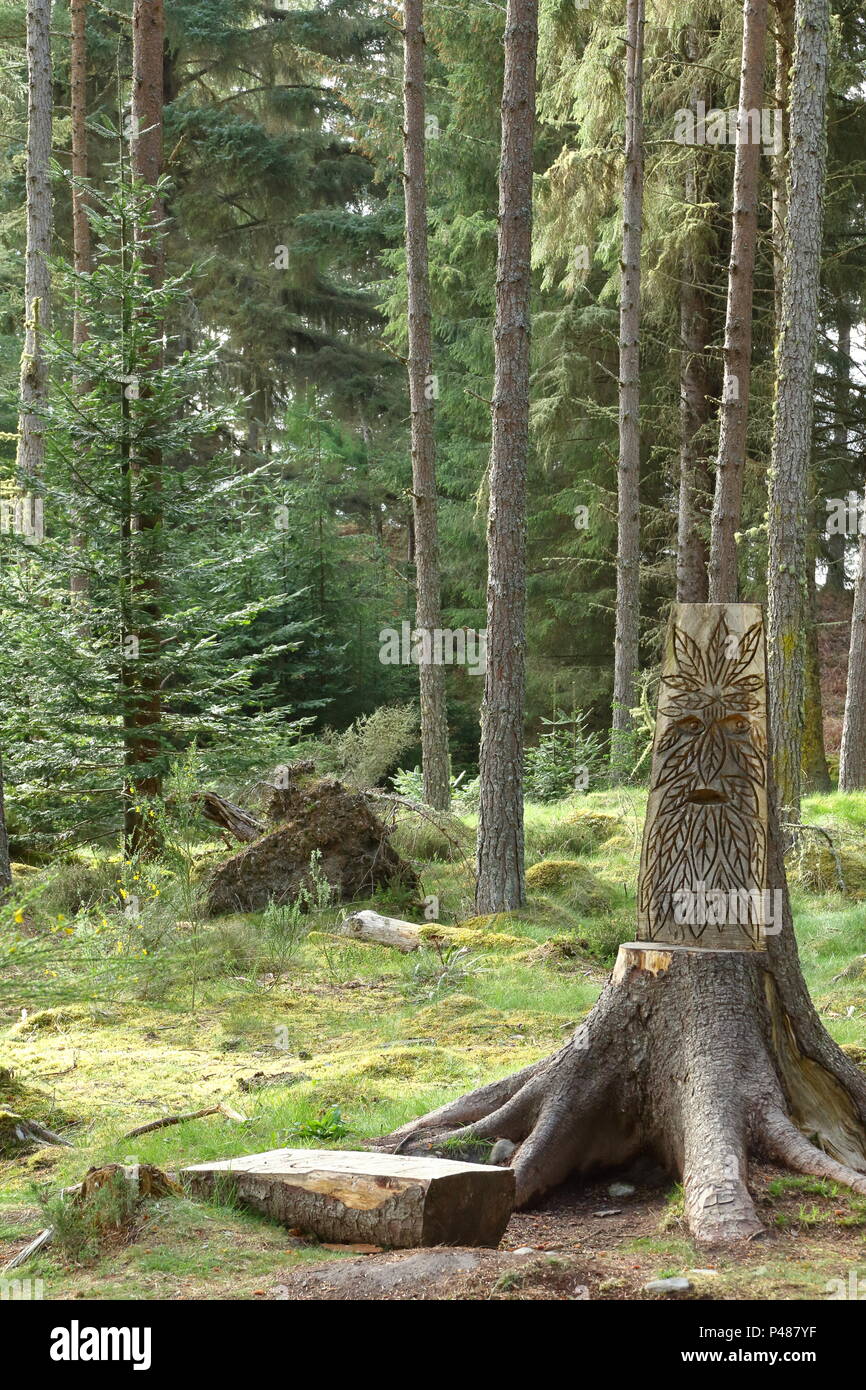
(705, 825)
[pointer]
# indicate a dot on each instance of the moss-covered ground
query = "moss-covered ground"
(110, 1018)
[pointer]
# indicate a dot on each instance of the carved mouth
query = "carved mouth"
(706, 796)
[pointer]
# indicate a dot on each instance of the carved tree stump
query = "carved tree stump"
(703, 873)
(704, 1047)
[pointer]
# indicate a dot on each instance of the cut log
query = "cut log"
(385, 931)
(375, 1198)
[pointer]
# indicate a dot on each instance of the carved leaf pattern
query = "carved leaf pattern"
(709, 763)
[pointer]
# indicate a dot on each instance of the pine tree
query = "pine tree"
(792, 432)
(428, 610)
(37, 288)
(501, 884)
(734, 411)
(626, 640)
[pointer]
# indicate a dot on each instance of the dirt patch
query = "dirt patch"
(583, 1244)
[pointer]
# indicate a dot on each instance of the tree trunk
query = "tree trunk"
(814, 761)
(501, 885)
(428, 611)
(816, 774)
(784, 58)
(694, 403)
(627, 635)
(82, 257)
(5, 870)
(734, 412)
(704, 1048)
(852, 757)
(144, 706)
(837, 542)
(37, 276)
(792, 432)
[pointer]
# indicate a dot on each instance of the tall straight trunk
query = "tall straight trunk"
(734, 412)
(142, 675)
(784, 57)
(852, 757)
(428, 608)
(625, 661)
(816, 775)
(5, 870)
(82, 253)
(837, 542)
(501, 883)
(694, 400)
(37, 277)
(792, 430)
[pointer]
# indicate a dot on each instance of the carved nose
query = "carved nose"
(704, 796)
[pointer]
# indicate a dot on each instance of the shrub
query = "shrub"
(439, 836)
(567, 756)
(464, 795)
(370, 748)
(83, 1227)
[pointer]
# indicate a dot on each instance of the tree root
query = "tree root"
(684, 1057)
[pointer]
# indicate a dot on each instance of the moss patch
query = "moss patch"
(581, 888)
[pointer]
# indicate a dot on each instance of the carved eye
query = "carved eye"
(735, 724)
(690, 725)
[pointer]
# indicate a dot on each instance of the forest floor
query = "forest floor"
(364, 1039)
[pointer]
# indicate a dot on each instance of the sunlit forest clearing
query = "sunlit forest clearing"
(362, 1039)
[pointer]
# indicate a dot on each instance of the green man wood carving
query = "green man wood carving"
(704, 858)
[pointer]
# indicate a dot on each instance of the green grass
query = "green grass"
(384, 1037)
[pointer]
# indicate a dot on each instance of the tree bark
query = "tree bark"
(428, 610)
(37, 276)
(694, 403)
(837, 542)
(82, 255)
(792, 432)
(500, 856)
(143, 677)
(627, 634)
(5, 870)
(734, 412)
(814, 761)
(784, 58)
(698, 1053)
(852, 756)
(816, 774)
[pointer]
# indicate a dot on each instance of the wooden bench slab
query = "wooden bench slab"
(383, 1199)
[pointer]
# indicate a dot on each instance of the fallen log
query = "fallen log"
(375, 1198)
(15, 1130)
(385, 931)
(38, 1243)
